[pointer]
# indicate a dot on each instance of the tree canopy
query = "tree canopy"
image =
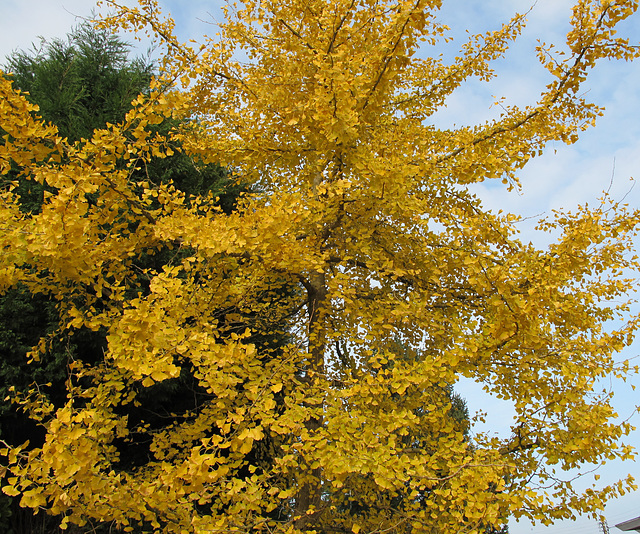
(361, 245)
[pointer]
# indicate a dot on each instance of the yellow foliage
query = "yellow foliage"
(402, 283)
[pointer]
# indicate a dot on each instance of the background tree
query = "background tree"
(87, 81)
(80, 84)
(362, 204)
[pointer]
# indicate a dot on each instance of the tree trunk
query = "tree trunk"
(310, 492)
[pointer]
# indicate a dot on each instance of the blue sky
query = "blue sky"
(562, 178)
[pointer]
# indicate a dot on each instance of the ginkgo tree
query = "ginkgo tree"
(361, 243)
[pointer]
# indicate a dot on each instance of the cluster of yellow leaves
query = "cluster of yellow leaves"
(397, 282)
